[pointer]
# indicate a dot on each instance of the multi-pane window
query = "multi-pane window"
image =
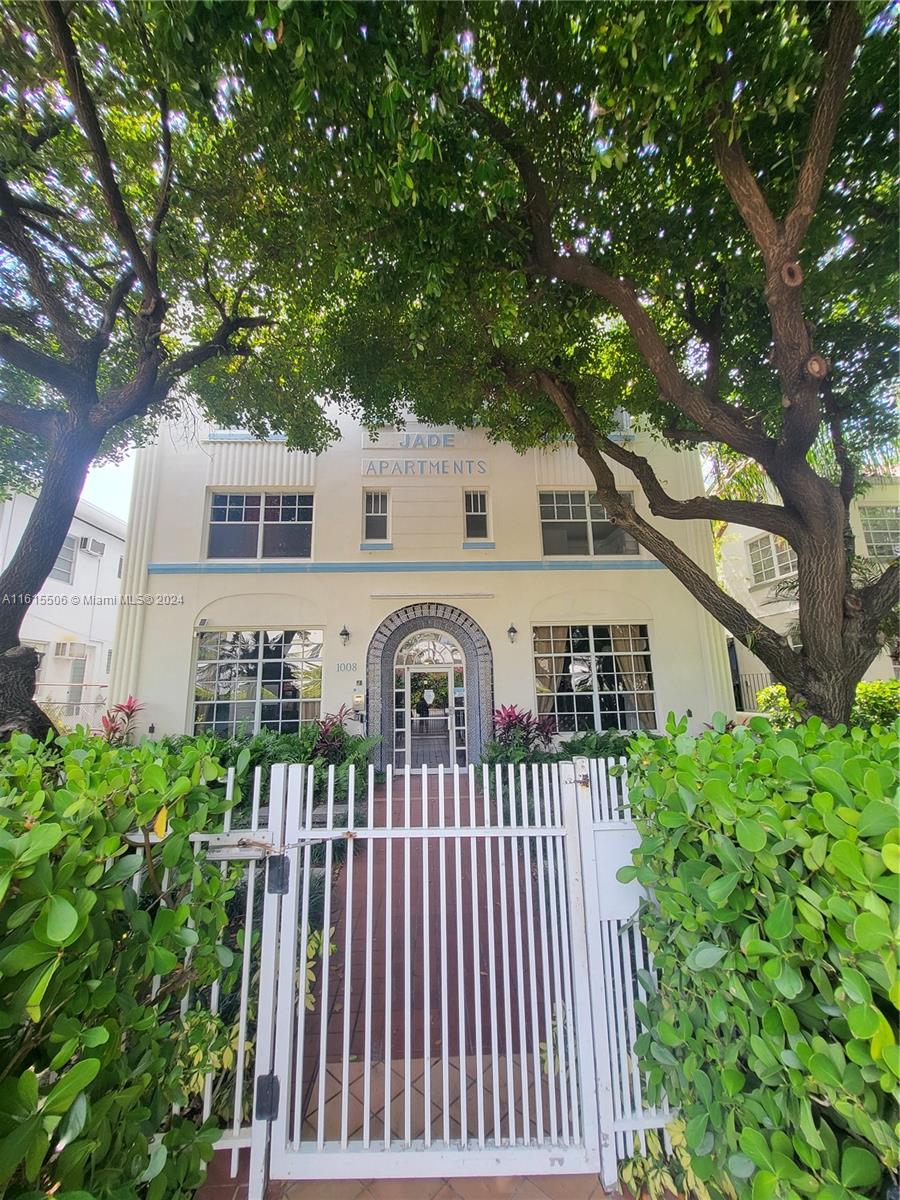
(64, 567)
(108, 661)
(770, 558)
(247, 680)
(881, 528)
(594, 676)
(577, 523)
(255, 525)
(375, 516)
(476, 515)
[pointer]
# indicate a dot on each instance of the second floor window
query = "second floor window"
(260, 525)
(64, 567)
(770, 558)
(577, 523)
(476, 516)
(375, 516)
(881, 527)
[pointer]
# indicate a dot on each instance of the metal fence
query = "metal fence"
(437, 974)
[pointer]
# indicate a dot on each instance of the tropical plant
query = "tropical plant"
(772, 858)
(118, 722)
(109, 916)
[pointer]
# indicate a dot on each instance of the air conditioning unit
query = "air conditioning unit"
(92, 546)
(70, 650)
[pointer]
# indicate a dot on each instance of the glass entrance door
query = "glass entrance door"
(428, 714)
(429, 702)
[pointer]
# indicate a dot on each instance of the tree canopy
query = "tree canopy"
(550, 211)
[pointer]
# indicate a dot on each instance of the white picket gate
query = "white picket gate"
(457, 998)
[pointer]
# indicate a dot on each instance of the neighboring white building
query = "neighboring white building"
(753, 563)
(72, 621)
(423, 578)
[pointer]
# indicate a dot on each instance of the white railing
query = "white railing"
(438, 975)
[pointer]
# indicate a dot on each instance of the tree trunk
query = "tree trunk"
(28, 571)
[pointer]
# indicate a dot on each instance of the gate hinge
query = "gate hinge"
(267, 1093)
(277, 871)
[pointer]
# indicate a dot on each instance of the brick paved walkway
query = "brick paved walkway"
(499, 1187)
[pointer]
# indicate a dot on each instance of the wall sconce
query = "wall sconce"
(151, 728)
(512, 633)
(344, 635)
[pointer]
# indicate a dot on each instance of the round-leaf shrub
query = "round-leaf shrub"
(877, 703)
(772, 857)
(93, 1049)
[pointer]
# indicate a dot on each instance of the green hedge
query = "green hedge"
(92, 1055)
(877, 703)
(773, 859)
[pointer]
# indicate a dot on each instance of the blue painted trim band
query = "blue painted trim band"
(479, 545)
(361, 568)
(376, 545)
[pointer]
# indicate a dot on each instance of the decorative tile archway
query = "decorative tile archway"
(380, 672)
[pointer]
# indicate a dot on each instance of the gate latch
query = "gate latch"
(267, 1095)
(277, 875)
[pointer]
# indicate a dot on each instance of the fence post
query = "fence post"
(582, 808)
(594, 1134)
(264, 1058)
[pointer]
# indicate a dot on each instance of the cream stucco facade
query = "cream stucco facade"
(875, 520)
(362, 596)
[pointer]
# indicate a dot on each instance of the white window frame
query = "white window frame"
(371, 492)
(264, 494)
(781, 559)
(587, 494)
(70, 543)
(877, 529)
(485, 512)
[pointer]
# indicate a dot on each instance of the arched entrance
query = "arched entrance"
(439, 650)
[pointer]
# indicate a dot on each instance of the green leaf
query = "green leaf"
(859, 1168)
(755, 1146)
(740, 1166)
(61, 919)
(704, 956)
(830, 781)
(871, 931)
(780, 922)
(863, 1020)
(15, 1145)
(750, 835)
(876, 818)
(720, 889)
(69, 1085)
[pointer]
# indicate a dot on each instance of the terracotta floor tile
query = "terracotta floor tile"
(568, 1187)
(483, 1188)
(326, 1189)
(405, 1189)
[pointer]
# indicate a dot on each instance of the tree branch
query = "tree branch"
(880, 597)
(723, 421)
(165, 186)
(41, 366)
(772, 647)
(773, 518)
(83, 100)
(746, 193)
(41, 423)
(15, 237)
(844, 31)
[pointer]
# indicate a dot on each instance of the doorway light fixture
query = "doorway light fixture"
(512, 633)
(344, 635)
